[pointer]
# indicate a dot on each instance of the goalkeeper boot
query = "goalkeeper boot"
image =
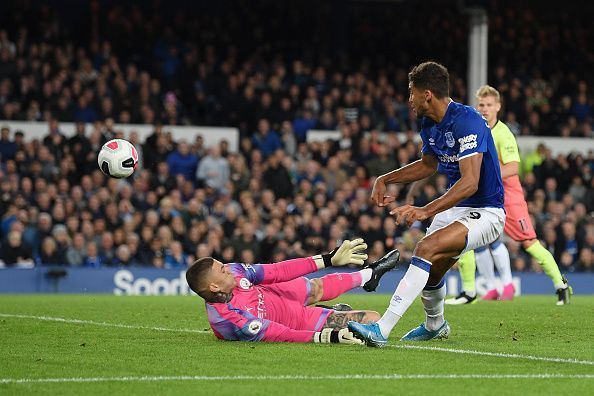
(380, 267)
(461, 299)
(422, 334)
(370, 333)
(340, 307)
(564, 293)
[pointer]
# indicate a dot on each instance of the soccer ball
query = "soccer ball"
(118, 158)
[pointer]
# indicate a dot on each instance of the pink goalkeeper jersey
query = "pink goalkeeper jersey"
(259, 310)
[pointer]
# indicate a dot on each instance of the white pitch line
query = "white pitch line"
(295, 377)
(495, 354)
(403, 346)
(104, 324)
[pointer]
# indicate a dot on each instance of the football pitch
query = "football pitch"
(96, 344)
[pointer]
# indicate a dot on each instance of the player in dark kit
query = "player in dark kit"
(457, 142)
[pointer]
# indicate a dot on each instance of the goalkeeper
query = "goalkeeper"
(271, 302)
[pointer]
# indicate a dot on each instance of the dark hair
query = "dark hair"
(195, 275)
(431, 76)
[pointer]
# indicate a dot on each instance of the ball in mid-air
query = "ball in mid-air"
(118, 158)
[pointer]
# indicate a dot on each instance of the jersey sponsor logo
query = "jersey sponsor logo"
(474, 215)
(244, 283)
(468, 142)
(450, 141)
(261, 306)
(447, 158)
(396, 299)
(254, 327)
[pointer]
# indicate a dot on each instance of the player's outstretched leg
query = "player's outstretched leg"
(435, 326)
(467, 268)
(330, 286)
(440, 247)
(376, 334)
(380, 267)
(549, 266)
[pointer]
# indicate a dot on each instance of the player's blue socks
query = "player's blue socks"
(408, 289)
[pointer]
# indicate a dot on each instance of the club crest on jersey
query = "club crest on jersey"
(450, 141)
(254, 327)
(244, 283)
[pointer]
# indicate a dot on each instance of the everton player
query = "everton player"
(518, 225)
(270, 302)
(457, 142)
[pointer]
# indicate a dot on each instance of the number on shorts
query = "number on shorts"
(523, 225)
(474, 215)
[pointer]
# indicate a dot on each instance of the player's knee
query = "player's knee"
(527, 243)
(317, 290)
(425, 249)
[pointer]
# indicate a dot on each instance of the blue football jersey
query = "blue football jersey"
(463, 132)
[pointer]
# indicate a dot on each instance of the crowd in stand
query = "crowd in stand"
(260, 204)
(325, 67)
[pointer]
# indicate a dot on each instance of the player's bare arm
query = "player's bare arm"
(510, 169)
(418, 170)
(470, 170)
(339, 320)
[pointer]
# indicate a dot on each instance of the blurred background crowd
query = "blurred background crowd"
(320, 65)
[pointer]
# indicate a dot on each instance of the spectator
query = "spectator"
(182, 161)
(265, 139)
(93, 259)
(213, 170)
(75, 254)
(49, 253)
(175, 256)
(246, 240)
(277, 178)
(8, 148)
(15, 252)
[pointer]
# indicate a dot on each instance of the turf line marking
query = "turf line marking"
(495, 354)
(104, 324)
(404, 346)
(294, 377)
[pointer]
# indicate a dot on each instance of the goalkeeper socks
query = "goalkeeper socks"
(365, 275)
(548, 264)
(408, 289)
(484, 263)
(500, 256)
(336, 284)
(433, 298)
(467, 268)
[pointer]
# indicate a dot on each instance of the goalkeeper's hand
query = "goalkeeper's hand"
(332, 336)
(349, 252)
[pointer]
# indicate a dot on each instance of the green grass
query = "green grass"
(33, 348)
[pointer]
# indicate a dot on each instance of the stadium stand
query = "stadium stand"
(279, 196)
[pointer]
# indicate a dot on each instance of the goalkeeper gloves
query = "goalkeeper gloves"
(333, 336)
(349, 252)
